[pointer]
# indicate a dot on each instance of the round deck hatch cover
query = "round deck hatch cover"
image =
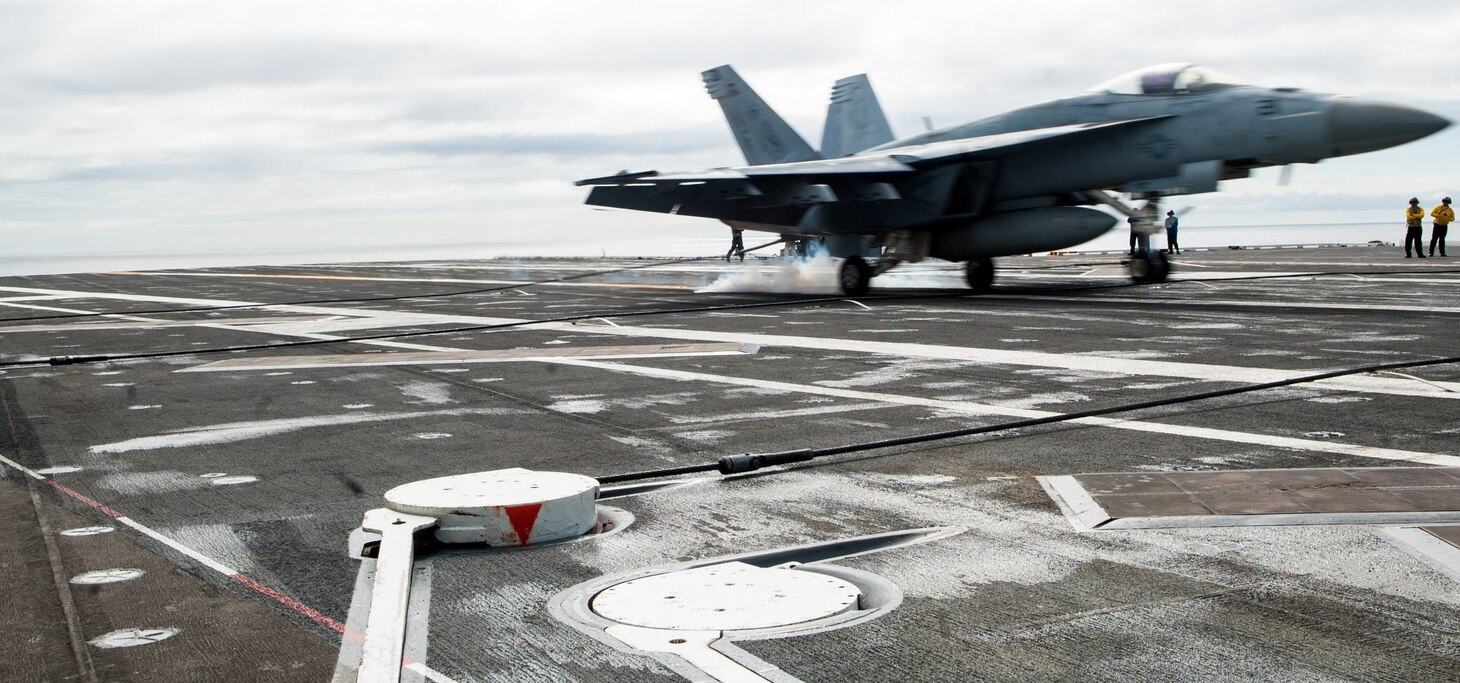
(732, 596)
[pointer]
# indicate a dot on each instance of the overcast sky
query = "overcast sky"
(271, 126)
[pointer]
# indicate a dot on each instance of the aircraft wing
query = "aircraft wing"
(779, 194)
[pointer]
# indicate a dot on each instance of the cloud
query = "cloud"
(169, 125)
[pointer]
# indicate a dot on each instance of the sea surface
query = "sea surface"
(695, 242)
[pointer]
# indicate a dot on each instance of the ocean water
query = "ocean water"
(692, 243)
(1194, 235)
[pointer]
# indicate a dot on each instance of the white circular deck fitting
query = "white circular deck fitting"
(732, 596)
(87, 531)
(502, 507)
(107, 576)
(132, 637)
(229, 481)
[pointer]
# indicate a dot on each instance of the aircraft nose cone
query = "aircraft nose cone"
(1357, 126)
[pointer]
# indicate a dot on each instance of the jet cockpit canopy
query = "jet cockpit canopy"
(1167, 79)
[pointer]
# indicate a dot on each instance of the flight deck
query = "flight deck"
(189, 457)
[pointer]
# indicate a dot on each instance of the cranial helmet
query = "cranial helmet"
(1413, 200)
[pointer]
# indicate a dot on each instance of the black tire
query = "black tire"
(1160, 268)
(980, 273)
(854, 276)
(1139, 268)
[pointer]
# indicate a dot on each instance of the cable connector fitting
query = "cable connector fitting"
(71, 360)
(735, 464)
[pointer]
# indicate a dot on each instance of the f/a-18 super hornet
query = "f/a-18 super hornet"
(1015, 183)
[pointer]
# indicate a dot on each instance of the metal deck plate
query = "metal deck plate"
(732, 596)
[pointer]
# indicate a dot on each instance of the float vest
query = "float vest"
(1443, 214)
(1413, 215)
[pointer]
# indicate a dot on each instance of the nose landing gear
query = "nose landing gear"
(1148, 267)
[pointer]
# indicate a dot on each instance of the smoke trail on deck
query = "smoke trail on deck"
(812, 274)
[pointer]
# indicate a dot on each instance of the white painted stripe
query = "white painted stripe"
(1283, 519)
(125, 297)
(1115, 366)
(1232, 303)
(195, 555)
(1423, 545)
(14, 299)
(985, 409)
(1078, 505)
(351, 644)
(144, 529)
(418, 620)
(681, 421)
(428, 672)
(460, 357)
(22, 468)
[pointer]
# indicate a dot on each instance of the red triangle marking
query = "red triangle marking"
(522, 518)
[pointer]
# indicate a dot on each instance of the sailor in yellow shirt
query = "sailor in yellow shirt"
(1442, 214)
(1414, 225)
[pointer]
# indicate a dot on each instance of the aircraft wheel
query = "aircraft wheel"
(1139, 268)
(980, 272)
(854, 276)
(1160, 268)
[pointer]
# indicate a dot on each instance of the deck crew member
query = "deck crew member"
(1414, 228)
(1442, 214)
(1172, 223)
(737, 246)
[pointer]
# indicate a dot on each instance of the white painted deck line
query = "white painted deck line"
(499, 283)
(693, 647)
(1421, 544)
(1230, 303)
(1323, 446)
(158, 324)
(459, 357)
(351, 649)
(1285, 519)
(1079, 507)
(1114, 366)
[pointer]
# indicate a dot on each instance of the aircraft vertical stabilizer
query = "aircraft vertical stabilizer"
(854, 120)
(763, 135)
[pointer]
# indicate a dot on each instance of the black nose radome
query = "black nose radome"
(1356, 126)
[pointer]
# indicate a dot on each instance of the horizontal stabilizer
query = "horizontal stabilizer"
(762, 134)
(854, 119)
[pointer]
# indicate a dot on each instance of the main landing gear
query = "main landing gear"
(1149, 267)
(854, 276)
(980, 272)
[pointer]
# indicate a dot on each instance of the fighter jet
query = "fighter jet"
(1015, 183)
